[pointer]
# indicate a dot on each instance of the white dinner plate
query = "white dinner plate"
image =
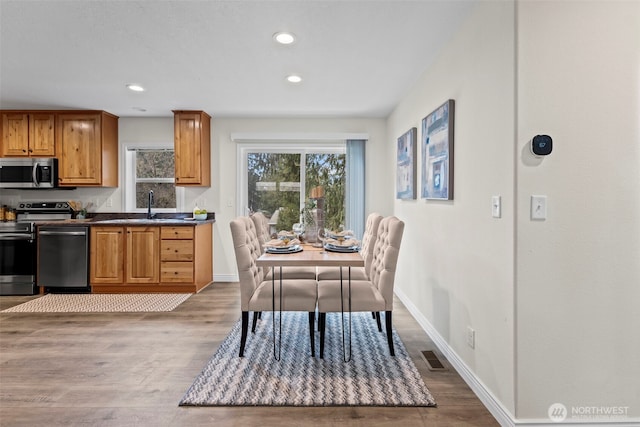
(345, 249)
(284, 250)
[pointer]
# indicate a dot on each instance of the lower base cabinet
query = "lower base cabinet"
(130, 259)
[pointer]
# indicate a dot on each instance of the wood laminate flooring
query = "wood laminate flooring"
(132, 369)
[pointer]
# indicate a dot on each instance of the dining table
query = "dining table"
(311, 256)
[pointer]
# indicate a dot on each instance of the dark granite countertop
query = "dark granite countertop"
(127, 219)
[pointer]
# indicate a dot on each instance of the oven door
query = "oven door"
(17, 264)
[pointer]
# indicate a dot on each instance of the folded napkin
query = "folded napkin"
(346, 242)
(285, 233)
(342, 233)
(274, 243)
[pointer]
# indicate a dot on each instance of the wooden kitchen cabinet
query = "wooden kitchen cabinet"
(151, 258)
(124, 255)
(177, 254)
(27, 134)
(142, 255)
(106, 255)
(186, 256)
(87, 149)
(192, 132)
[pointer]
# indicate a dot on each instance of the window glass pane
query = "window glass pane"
(327, 171)
(155, 164)
(275, 181)
(274, 185)
(155, 171)
(164, 194)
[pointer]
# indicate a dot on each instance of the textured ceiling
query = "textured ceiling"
(356, 58)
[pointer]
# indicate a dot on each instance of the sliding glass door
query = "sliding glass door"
(289, 184)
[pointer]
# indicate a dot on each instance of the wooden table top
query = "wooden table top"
(311, 257)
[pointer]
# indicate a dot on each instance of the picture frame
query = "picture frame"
(406, 166)
(437, 153)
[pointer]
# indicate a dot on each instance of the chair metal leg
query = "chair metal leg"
(373, 314)
(243, 336)
(312, 332)
(377, 316)
(322, 319)
(387, 321)
(256, 316)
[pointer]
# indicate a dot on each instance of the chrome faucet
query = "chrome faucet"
(149, 214)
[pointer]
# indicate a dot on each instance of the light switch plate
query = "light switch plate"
(496, 206)
(539, 207)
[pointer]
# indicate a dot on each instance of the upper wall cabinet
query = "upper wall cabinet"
(192, 148)
(87, 149)
(27, 134)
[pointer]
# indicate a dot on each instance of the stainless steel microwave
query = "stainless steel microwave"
(28, 173)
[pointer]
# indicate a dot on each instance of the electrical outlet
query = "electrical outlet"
(203, 203)
(109, 202)
(471, 337)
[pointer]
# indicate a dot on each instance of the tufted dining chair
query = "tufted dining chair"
(256, 294)
(366, 250)
(261, 222)
(375, 294)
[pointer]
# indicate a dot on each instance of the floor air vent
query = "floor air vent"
(433, 363)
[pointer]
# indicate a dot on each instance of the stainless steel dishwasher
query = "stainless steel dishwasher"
(63, 258)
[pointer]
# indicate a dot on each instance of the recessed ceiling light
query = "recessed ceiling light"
(294, 78)
(135, 88)
(284, 37)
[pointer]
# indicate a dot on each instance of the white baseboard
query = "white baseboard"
(494, 406)
(500, 413)
(225, 278)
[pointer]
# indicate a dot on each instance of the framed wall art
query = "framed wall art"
(406, 169)
(437, 153)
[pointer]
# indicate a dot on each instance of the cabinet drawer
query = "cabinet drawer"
(176, 250)
(176, 233)
(176, 272)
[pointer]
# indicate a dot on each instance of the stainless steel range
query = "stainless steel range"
(18, 245)
(33, 212)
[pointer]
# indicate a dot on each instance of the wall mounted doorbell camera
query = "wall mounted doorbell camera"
(541, 145)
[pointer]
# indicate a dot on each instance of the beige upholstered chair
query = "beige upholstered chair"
(261, 224)
(366, 250)
(256, 294)
(375, 294)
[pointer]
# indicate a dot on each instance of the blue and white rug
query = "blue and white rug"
(371, 378)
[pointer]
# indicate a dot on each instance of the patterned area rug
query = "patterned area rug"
(371, 378)
(97, 303)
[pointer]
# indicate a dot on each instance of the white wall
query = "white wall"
(456, 263)
(221, 197)
(578, 272)
(553, 302)
(224, 173)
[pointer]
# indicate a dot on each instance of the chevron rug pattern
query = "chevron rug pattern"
(100, 303)
(371, 378)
